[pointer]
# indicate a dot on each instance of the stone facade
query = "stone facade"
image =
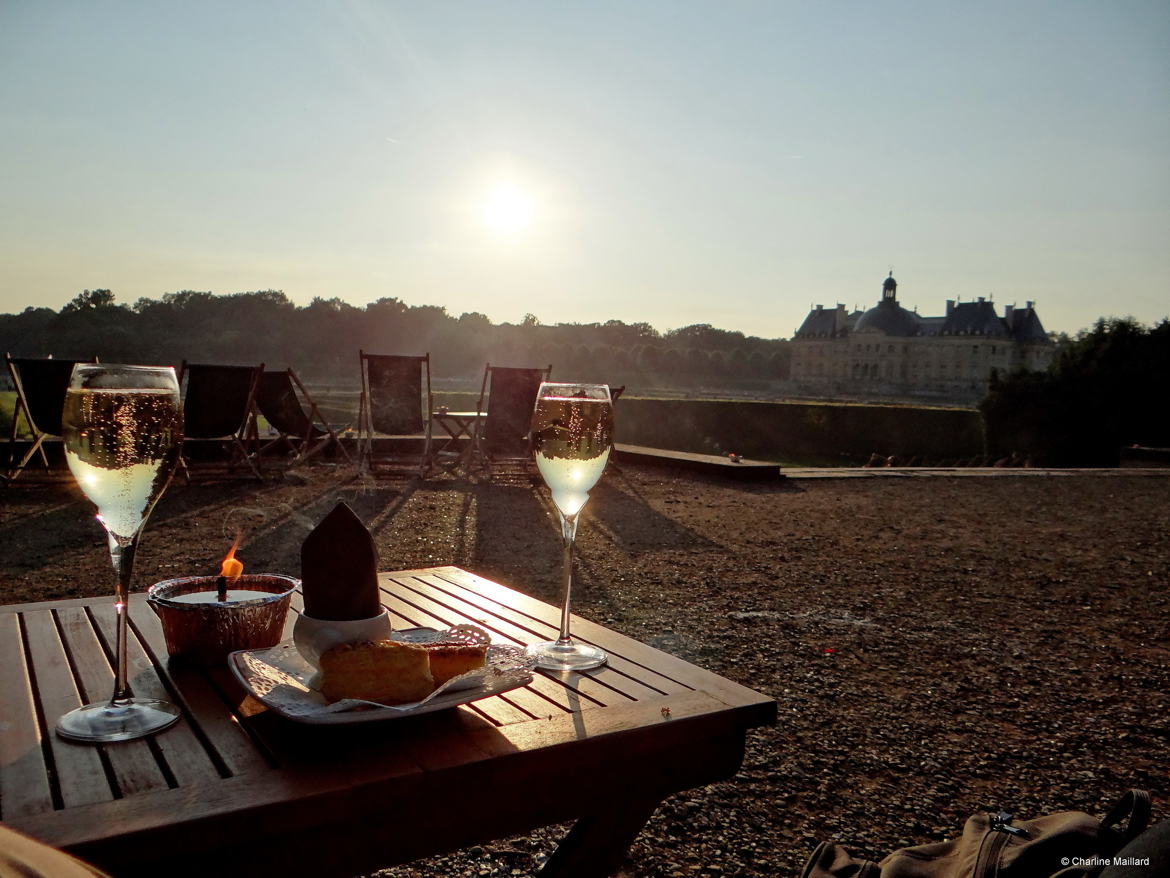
(892, 352)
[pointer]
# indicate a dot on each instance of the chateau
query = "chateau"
(890, 351)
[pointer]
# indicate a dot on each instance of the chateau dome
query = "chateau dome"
(888, 317)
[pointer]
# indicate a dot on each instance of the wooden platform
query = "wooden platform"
(712, 464)
(919, 472)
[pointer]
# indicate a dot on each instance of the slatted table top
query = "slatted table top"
(232, 779)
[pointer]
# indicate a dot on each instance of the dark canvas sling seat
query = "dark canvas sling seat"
(396, 390)
(40, 386)
(509, 393)
(303, 433)
(219, 402)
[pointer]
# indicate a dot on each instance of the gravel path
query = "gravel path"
(937, 646)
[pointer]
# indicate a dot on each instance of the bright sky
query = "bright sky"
(674, 162)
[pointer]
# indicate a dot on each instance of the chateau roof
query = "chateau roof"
(1025, 326)
(974, 318)
(931, 325)
(824, 323)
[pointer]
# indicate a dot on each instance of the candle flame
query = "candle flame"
(232, 568)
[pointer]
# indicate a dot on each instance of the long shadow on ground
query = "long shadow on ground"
(619, 511)
(276, 545)
(39, 521)
(516, 538)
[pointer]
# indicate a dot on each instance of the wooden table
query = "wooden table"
(234, 788)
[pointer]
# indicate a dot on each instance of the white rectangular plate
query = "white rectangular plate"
(280, 679)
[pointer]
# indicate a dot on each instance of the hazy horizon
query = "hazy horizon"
(672, 163)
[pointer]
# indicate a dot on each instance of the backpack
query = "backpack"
(1071, 844)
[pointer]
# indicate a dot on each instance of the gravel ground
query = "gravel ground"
(937, 646)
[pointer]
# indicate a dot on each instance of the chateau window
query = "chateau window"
(891, 349)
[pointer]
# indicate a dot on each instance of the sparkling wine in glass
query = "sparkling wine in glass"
(123, 426)
(572, 434)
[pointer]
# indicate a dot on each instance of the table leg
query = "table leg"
(597, 843)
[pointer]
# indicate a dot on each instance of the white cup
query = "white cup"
(313, 637)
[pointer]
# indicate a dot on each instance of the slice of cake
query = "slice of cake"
(384, 670)
(452, 659)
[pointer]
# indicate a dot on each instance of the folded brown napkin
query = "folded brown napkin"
(339, 569)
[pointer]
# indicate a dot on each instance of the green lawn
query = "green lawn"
(7, 405)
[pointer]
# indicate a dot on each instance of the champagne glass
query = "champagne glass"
(123, 426)
(572, 434)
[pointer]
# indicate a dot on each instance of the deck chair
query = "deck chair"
(281, 399)
(502, 431)
(219, 402)
(40, 386)
(395, 389)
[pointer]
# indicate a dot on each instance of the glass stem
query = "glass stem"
(122, 554)
(568, 539)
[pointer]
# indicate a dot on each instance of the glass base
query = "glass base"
(566, 655)
(124, 721)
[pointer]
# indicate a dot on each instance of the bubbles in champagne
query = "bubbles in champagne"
(572, 438)
(122, 446)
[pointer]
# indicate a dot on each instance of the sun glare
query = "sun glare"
(508, 209)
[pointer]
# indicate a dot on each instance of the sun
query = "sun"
(508, 209)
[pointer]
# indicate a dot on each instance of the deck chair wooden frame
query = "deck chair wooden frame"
(395, 389)
(221, 404)
(502, 428)
(40, 384)
(284, 401)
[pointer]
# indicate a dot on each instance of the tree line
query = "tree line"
(321, 340)
(1106, 389)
